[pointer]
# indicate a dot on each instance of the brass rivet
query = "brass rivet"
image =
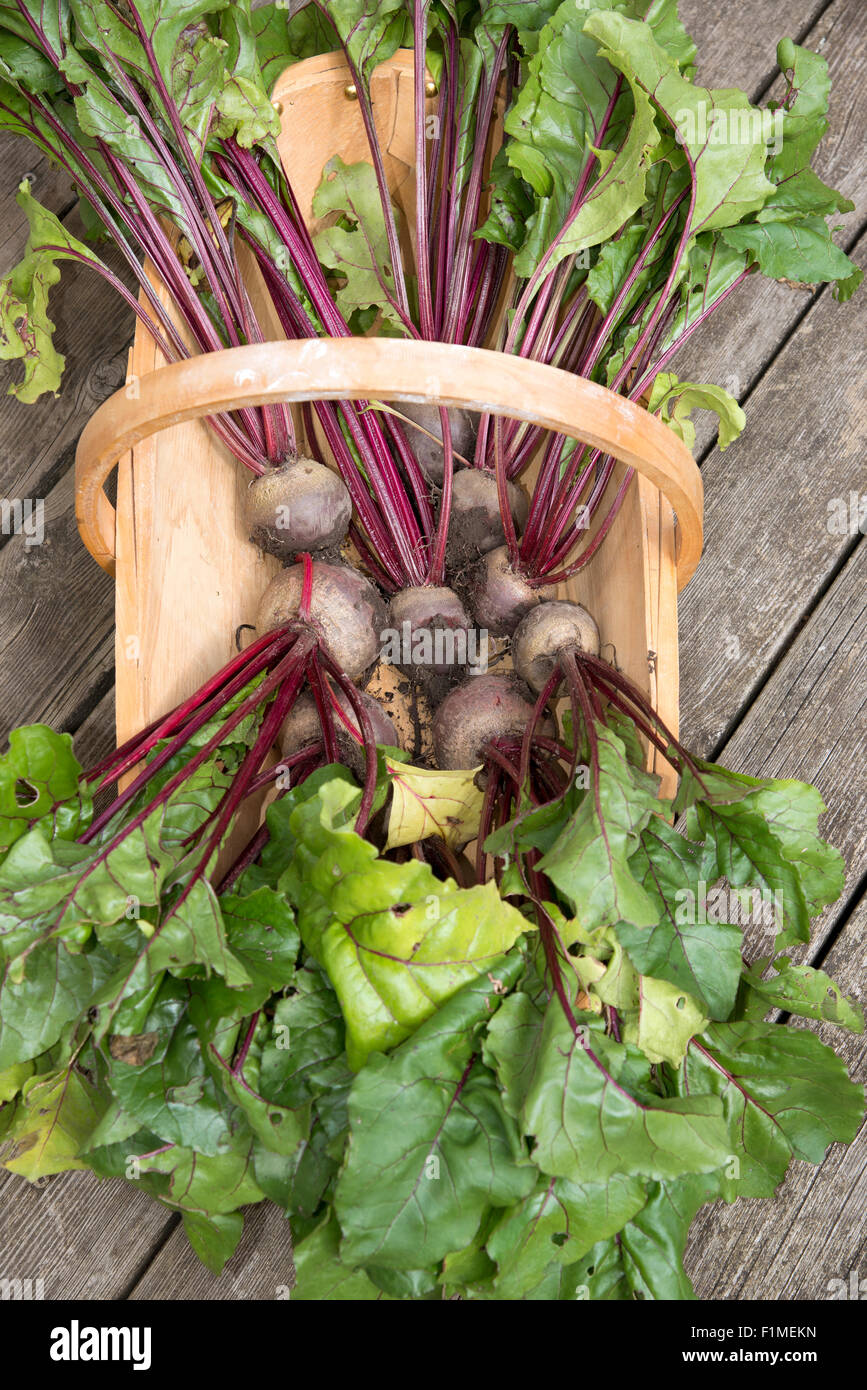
(430, 88)
(350, 91)
(278, 107)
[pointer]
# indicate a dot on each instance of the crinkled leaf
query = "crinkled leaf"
(395, 940)
(801, 251)
(305, 1055)
(763, 832)
(54, 1117)
(160, 1080)
(646, 1259)
(431, 1147)
(810, 993)
(26, 331)
(589, 861)
(57, 986)
(723, 136)
(591, 1109)
(676, 400)
(200, 1183)
(322, 1276)
(283, 37)
(785, 1095)
(356, 245)
(702, 958)
(558, 1223)
(40, 784)
(427, 802)
(213, 1237)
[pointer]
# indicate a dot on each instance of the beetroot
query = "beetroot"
(545, 631)
(475, 523)
(483, 708)
(429, 452)
(301, 506)
(303, 728)
(431, 628)
(345, 611)
(499, 596)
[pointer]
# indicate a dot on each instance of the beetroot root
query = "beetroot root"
(546, 630)
(483, 708)
(345, 610)
(301, 506)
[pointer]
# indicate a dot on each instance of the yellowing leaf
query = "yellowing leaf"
(668, 1017)
(57, 1113)
(427, 802)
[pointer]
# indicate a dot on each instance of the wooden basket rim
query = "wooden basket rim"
(386, 369)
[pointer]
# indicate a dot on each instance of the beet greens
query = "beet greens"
(495, 1027)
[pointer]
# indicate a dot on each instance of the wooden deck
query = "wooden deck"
(791, 702)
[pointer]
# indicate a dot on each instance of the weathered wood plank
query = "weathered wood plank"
(85, 1238)
(95, 737)
(815, 1232)
(737, 42)
(94, 329)
(810, 721)
(57, 636)
(745, 333)
(768, 546)
(52, 187)
(261, 1267)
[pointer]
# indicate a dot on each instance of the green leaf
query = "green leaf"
(56, 987)
(305, 1056)
(591, 1108)
(54, 1117)
(810, 993)
(213, 1237)
(701, 958)
(558, 1223)
(160, 1080)
(646, 1260)
(589, 861)
(763, 833)
(356, 246)
(667, 1019)
(674, 401)
(800, 126)
(26, 331)
(370, 30)
(615, 260)
(559, 122)
(801, 250)
(395, 940)
(13, 1078)
(39, 785)
(204, 1184)
(322, 1276)
(283, 38)
(723, 136)
(785, 1095)
(431, 1147)
(244, 103)
(277, 1127)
